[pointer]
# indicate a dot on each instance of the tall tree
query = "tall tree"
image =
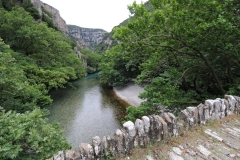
(187, 46)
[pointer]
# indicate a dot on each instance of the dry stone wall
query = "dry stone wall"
(152, 128)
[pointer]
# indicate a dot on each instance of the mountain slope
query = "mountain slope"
(91, 37)
(108, 41)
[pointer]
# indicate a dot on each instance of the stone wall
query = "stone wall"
(152, 128)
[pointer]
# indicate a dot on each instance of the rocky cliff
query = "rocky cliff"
(52, 13)
(91, 37)
(108, 40)
(86, 38)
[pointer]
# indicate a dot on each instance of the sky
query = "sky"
(103, 14)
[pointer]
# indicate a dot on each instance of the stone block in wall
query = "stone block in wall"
(111, 146)
(217, 105)
(174, 124)
(139, 125)
(146, 122)
(231, 104)
(212, 112)
(119, 141)
(97, 147)
(193, 112)
(237, 105)
(104, 143)
(171, 121)
(157, 128)
(151, 128)
(59, 156)
(72, 155)
(86, 151)
(223, 108)
(188, 119)
(106, 147)
(129, 126)
(164, 128)
(201, 114)
(129, 133)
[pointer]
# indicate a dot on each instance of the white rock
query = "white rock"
(149, 157)
(181, 147)
(203, 150)
(177, 150)
(140, 127)
(213, 135)
(173, 156)
(131, 128)
(232, 155)
(146, 121)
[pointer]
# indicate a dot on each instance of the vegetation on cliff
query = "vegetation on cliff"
(187, 50)
(93, 60)
(33, 60)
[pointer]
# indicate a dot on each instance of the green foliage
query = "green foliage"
(36, 60)
(1, 4)
(7, 4)
(47, 12)
(103, 46)
(93, 60)
(116, 69)
(48, 20)
(186, 49)
(28, 6)
(43, 57)
(29, 136)
(15, 90)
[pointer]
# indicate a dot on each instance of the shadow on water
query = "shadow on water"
(86, 111)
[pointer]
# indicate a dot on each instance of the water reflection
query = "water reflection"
(86, 111)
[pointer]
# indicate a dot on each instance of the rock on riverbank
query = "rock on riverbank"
(129, 93)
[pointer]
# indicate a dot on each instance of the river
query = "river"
(88, 110)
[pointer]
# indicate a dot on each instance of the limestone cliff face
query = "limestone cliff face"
(37, 4)
(58, 21)
(107, 43)
(84, 37)
(91, 37)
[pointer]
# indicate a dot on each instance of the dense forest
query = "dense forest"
(185, 50)
(34, 59)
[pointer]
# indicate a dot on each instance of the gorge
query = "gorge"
(45, 72)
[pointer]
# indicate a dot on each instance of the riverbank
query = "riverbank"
(129, 93)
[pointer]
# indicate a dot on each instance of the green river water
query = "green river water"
(88, 110)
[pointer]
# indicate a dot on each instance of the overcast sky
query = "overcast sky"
(104, 14)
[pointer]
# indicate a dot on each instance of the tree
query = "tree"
(192, 46)
(28, 6)
(116, 68)
(1, 5)
(42, 49)
(16, 93)
(29, 136)
(93, 60)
